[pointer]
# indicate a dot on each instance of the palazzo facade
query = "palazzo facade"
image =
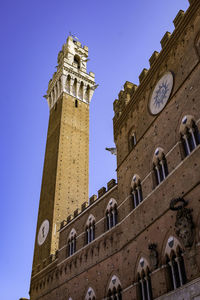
(139, 237)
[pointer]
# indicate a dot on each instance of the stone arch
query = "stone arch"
(114, 286)
(186, 122)
(158, 154)
(114, 282)
(72, 233)
(135, 181)
(111, 203)
(90, 294)
(142, 262)
(90, 220)
(172, 244)
(80, 91)
(74, 88)
(87, 94)
(67, 83)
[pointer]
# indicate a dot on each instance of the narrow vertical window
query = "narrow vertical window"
(132, 140)
(76, 103)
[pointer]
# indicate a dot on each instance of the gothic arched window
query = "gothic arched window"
(90, 295)
(160, 167)
(136, 190)
(114, 289)
(175, 264)
(72, 242)
(190, 136)
(144, 281)
(111, 214)
(90, 229)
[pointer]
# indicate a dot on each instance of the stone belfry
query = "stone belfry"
(65, 173)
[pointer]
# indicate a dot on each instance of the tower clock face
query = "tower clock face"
(161, 93)
(43, 232)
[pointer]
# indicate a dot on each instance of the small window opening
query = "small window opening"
(77, 61)
(132, 140)
(76, 103)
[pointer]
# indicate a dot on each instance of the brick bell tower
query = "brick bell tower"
(65, 173)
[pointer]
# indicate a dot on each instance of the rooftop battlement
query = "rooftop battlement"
(101, 192)
(125, 96)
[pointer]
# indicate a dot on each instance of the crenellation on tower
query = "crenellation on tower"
(143, 74)
(179, 17)
(124, 97)
(153, 57)
(165, 39)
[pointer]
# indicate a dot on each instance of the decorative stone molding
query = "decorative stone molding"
(71, 76)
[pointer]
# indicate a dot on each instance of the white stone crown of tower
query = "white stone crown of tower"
(71, 76)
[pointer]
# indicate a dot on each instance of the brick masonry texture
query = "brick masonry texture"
(118, 251)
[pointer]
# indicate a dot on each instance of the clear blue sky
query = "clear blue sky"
(121, 36)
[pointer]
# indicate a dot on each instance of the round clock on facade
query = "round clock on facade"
(161, 93)
(43, 232)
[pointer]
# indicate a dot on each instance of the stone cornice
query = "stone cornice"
(84, 77)
(70, 70)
